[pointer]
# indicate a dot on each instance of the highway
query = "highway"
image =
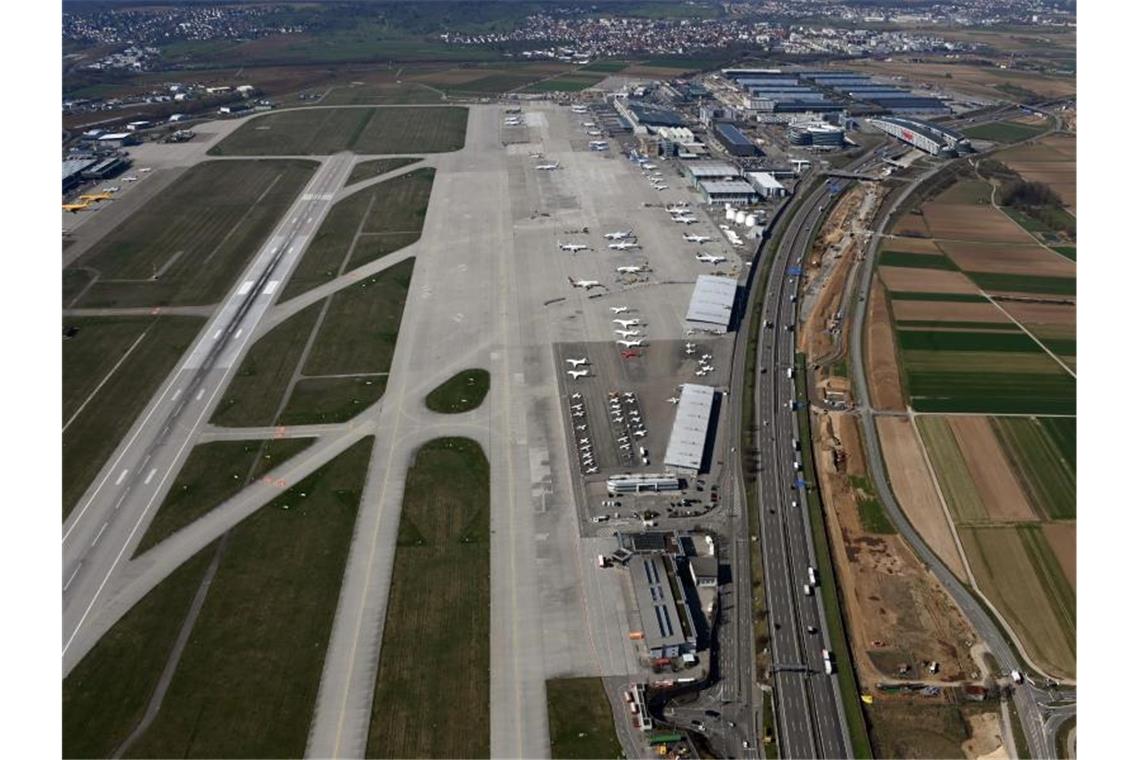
(112, 516)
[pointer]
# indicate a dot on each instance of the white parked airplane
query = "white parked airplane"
(674, 400)
(111, 189)
(578, 109)
(627, 323)
(577, 363)
(678, 208)
(587, 284)
(684, 220)
(618, 235)
(144, 170)
(547, 167)
(624, 245)
(594, 132)
(651, 167)
(132, 178)
(660, 188)
(698, 239)
(573, 247)
(632, 270)
(628, 333)
(575, 374)
(589, 124)
(619, 309)
(575, 395)
(632, 343)
(702, 372)
(640, 433)
(708, 258)
(591, 470)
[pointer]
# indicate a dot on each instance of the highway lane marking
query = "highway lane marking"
(245, 287)
(149, 476)
(122, 475)
(74, 572)
(99, 534)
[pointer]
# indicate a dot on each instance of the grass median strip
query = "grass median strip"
(322, 400)
(581, 721)
(377, 166)
(432, 695)
(88, 357)
(211, 474)
(248, 678)
(462, 392)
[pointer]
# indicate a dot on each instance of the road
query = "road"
(1027, 700)
(106, 525)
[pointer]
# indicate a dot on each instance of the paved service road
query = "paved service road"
(106, 525)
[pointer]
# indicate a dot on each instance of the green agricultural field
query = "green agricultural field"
(1019, 573)
(1068, 251)
(377, 166)
(916, 260)
(494, 84)
(406, 93)
(606, 67)
(187, 244)
(358, 333)
(323, 131)
(248, 679)
(211, 474)
(909, 729)
(258, 388)
(994, 392)
(366, 225)
(1003, 131)
(106, 694)
(435, 653)
(114, 398)
(1061, 286)
(581, 720)
(1040, 464)
(970, 191)
(1062, 431)
(929, 340)
(954, 325)
(955, 297)
(954, 477)
(320, 400)
(462, 392)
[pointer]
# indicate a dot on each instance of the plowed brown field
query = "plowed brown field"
(1062, 538)
(1039, 313)
(914, 488)
(994, 478)
(961, 222)
(949, 311)
(1008, 258)
(911, 245)
(883, 369)
(905, 279)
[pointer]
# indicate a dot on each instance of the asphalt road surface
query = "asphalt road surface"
(106, 525)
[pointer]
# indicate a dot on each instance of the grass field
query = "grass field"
(331, 399)
(565, 83)
(1040, 464)
(581, 721)
(359, 330)
(953, 475)
(930, 340)
(1018, 573)
(248, 678)
(957, 297)
(404, 93)
(87, 359)
(872, 516)
(915, 260)
(1062, 431)
(435, 653)
(323, 131)
(259, 385)
(375, 167)
(388, 216)
(1068, 251)
(187, 244)
(993, 392)
(211, 474)
(1003, 131)
(105, 695)
(906, 729)
(462, 392)
(992, 281)
(951, 324)
(606, 67)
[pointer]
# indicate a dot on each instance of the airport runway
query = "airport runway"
(110, 519)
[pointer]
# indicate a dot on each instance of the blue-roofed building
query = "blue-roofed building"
(734, 141)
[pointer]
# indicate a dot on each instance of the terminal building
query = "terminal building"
(688, 440)
(711, 305)
(666, 627)
(931, 138)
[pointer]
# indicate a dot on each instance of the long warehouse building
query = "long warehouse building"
(934, 139)
(712, 303)
(685, 453)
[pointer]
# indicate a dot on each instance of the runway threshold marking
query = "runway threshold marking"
(245, 287)
(270, 287)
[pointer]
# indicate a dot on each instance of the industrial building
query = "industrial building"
(735, 142)
(711, 305)
(666, 626)
(931, 138)
(767, 185)
(645, 114)
(118, 140)
(708, 171)
(640, 481)
(704, 570)
(106, 168)
(728, 191)
(73, 169)
(685, 453)
(815, 134)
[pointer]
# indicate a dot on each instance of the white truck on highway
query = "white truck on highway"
(813, 579)
(828, 664)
